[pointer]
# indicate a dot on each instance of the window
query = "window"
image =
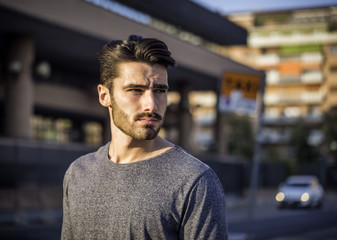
(51, 129)
(66, 130)
(93, 133)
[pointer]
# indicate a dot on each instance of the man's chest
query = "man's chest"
(136, 203)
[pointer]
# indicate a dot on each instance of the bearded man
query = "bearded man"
(140, 186)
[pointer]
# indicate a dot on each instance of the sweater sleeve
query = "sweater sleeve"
(205, 210)
(66, 223)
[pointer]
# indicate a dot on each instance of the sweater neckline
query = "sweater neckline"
(105, 153)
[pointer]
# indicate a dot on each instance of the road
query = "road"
(285, 224)
(269, 223)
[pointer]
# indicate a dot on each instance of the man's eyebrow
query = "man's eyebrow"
(157, 86)
(135, 86)
(161, 86)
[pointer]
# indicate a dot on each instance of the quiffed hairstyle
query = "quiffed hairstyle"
(135, 49)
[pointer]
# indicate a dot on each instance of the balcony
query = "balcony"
(273, 78)
(268, 60)
(309, 58)
(311, 97)
(285, 80)
(300, 98)
(275, 40)
(271, 99)
(312, 77)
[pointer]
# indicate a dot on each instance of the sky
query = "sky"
(237, 6)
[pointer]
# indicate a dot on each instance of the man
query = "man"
(140, 186)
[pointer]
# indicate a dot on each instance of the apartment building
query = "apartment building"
(297, 49)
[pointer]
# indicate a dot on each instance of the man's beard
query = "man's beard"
(127, 124)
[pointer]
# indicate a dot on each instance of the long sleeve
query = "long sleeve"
(66, 226)
(205, 214)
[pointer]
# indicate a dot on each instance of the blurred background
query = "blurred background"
(254, 96)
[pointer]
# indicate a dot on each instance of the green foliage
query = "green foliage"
(274, 155)
(240, 136)
(330, 131)
(303, 152)
(298, 49)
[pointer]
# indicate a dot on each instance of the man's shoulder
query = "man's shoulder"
(84, 159)
(181, 166)
(186, 157)
(88, 160)
(183, 161)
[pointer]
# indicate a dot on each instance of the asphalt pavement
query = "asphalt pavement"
(46, 225)
(265, 210)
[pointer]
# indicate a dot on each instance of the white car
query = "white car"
(300, 191)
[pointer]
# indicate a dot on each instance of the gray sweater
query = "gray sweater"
(170, 196)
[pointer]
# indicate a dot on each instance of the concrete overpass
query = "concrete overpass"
(68, 34)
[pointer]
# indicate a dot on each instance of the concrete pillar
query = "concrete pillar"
(20, 87)
(185, 117)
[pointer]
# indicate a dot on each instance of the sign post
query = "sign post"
(254, 178)
(243, 93)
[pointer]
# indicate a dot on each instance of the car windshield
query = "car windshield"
(298, 184)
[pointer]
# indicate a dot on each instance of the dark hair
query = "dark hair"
(135, 49)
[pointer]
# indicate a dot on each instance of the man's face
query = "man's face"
(139, 99)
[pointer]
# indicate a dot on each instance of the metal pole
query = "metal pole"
(256, 161)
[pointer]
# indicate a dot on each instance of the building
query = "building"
(49, 61)
(297, 50)
(49, 71)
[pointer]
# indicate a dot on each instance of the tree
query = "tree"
(302, 151)
(330, 131)
(240, 136)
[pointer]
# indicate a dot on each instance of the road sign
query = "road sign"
(239, 92)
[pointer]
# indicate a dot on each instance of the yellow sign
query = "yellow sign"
(248, 84)
(239, 92)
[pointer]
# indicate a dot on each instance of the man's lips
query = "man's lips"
(148, 121)
(148, 118)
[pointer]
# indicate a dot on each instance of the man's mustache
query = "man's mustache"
(148, 115)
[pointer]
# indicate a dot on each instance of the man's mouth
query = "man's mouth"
(148, 121)
(148, 118)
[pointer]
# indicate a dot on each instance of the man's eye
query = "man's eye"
(136, 90)
(160, 90)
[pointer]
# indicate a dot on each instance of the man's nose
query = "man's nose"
(149, 102)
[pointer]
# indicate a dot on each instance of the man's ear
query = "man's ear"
(104, 95)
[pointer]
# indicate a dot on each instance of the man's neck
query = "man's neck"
(123, 151)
